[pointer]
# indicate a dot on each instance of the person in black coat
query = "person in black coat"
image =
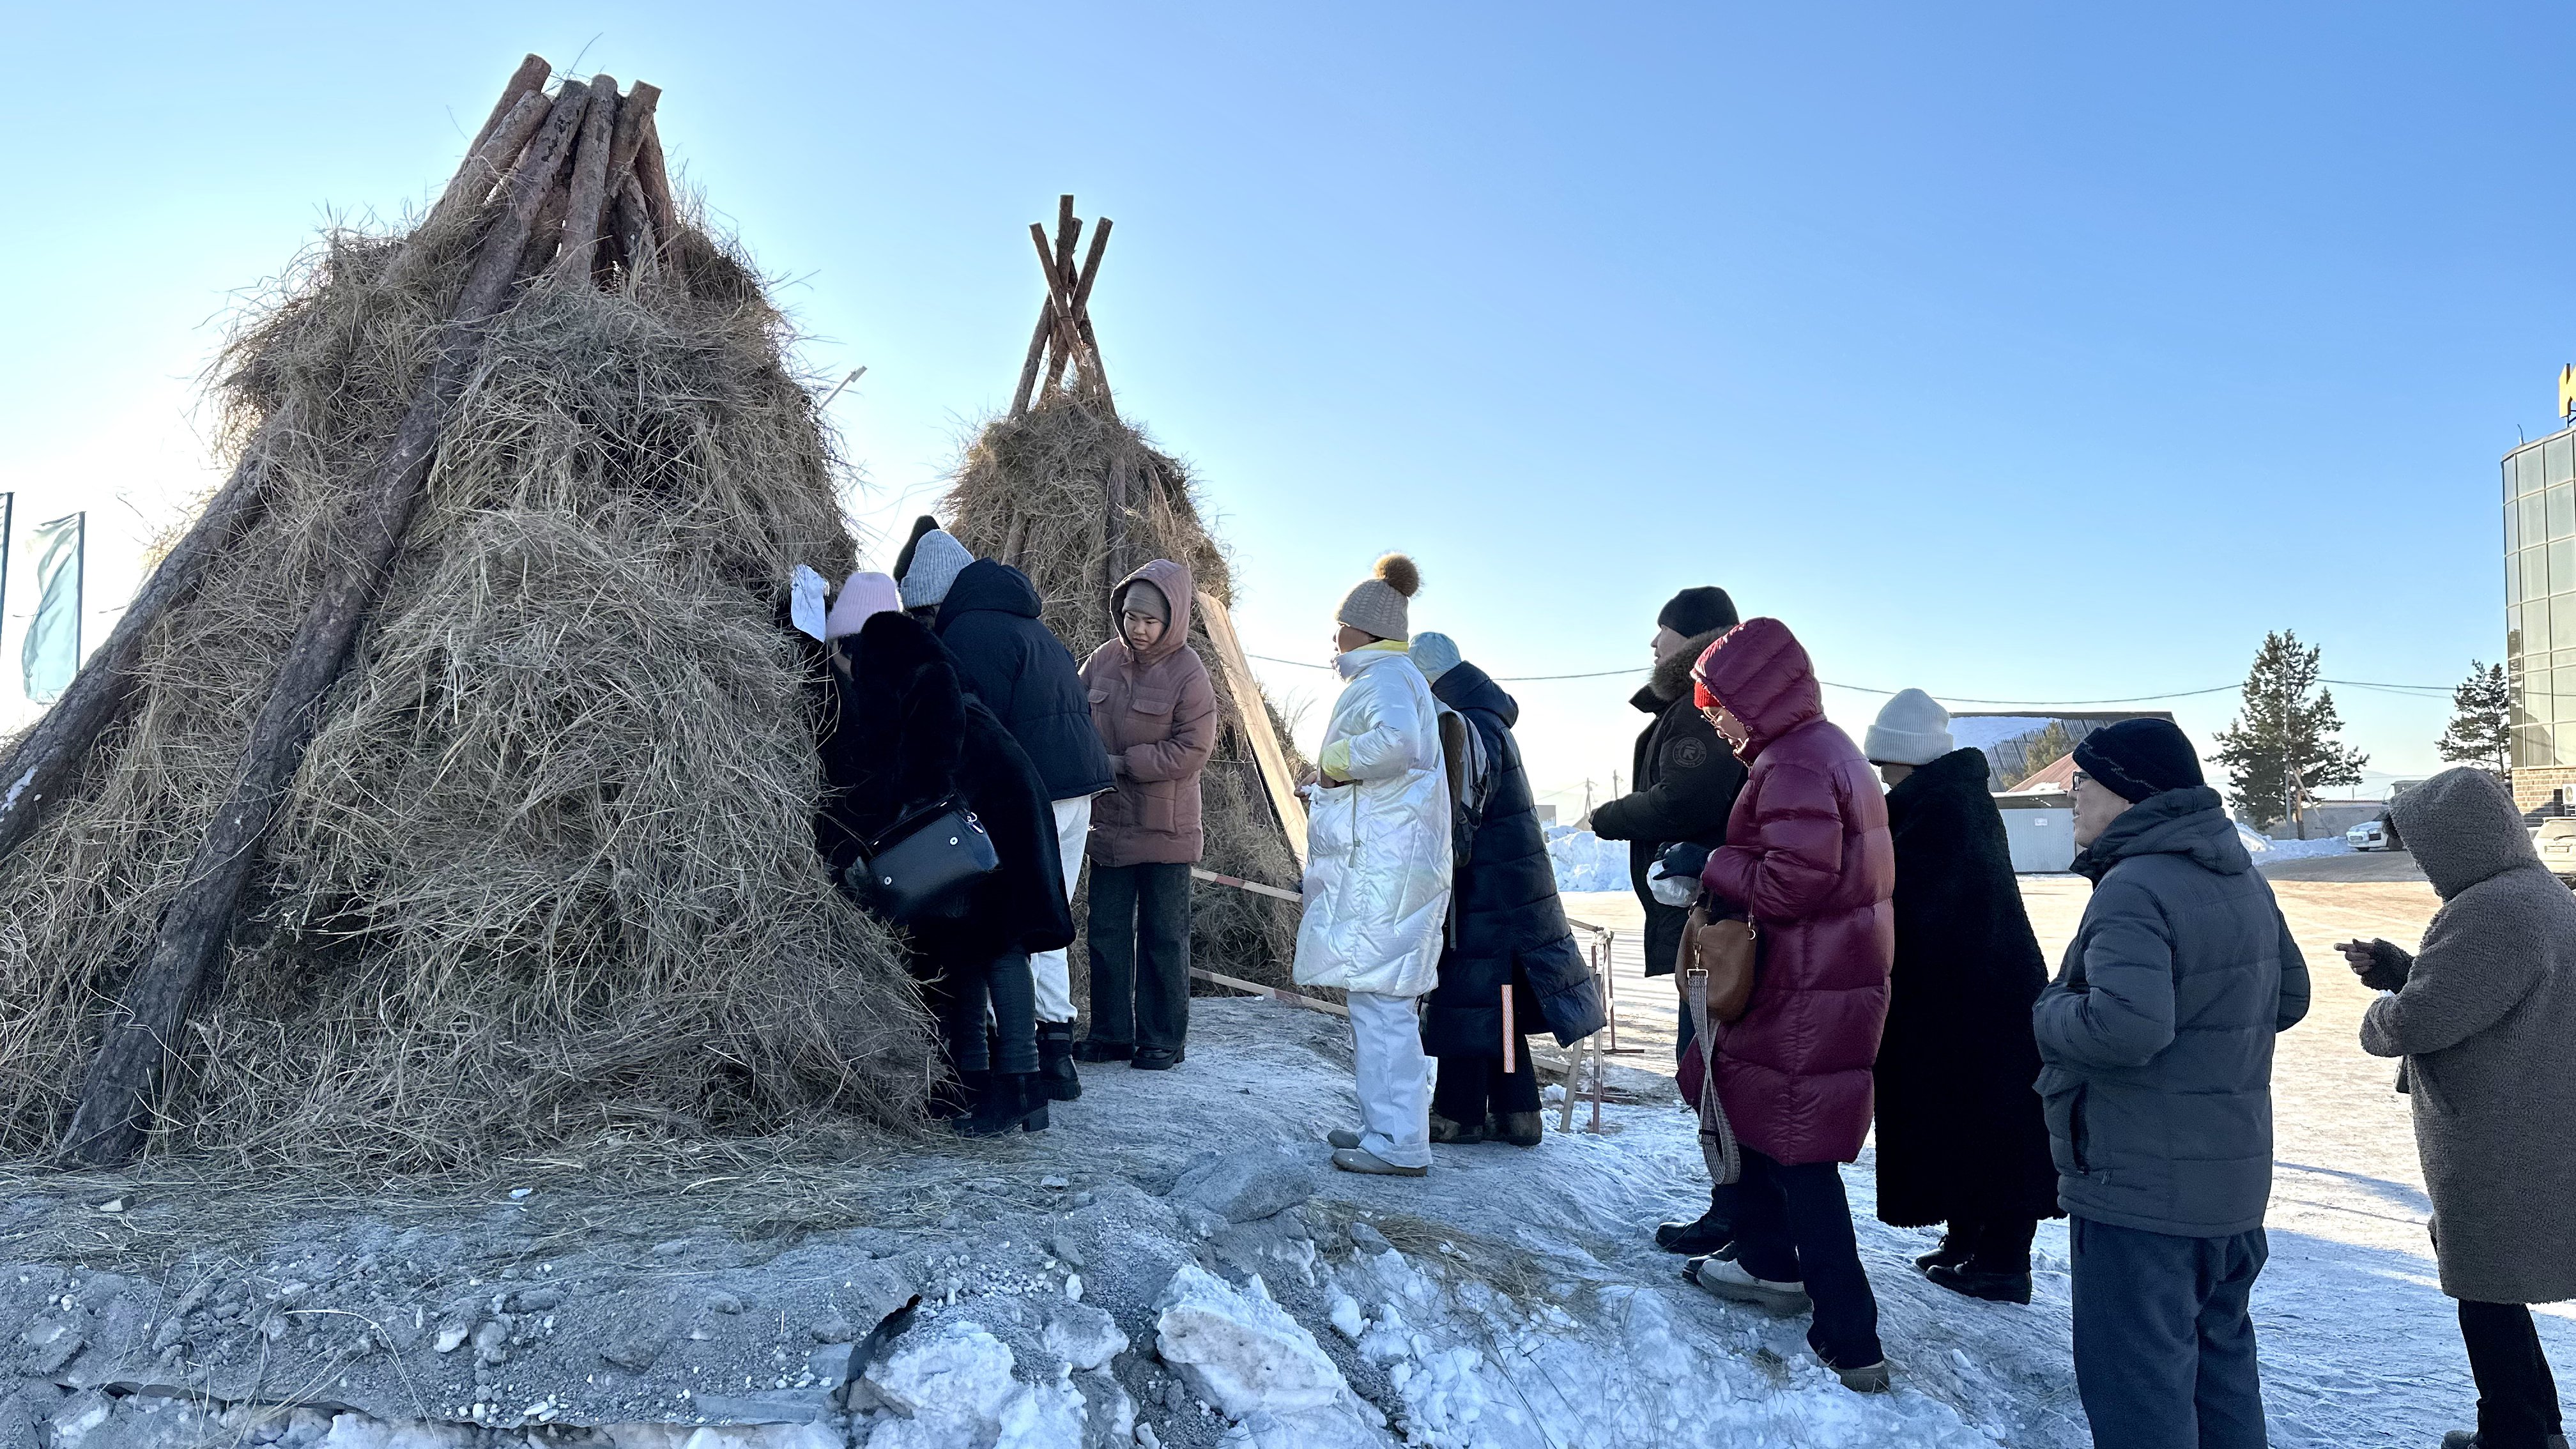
(986, 612)
(902, 736)
(1686, 781)
(1508, 933)
(1961, 1137)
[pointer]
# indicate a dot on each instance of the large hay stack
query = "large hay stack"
(1064, 489)
(545, 873)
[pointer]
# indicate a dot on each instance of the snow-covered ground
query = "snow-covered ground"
(2267, 851)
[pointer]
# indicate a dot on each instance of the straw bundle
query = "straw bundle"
(1033, 491)
(546, 872)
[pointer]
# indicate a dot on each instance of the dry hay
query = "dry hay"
(1033, 492)
(547, 875)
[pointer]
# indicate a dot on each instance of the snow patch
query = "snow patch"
(2266, 850)
(1586, 862)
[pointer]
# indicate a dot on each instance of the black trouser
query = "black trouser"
(2164, 1347)
(966, 997)
(1793, 1225)
(1140, 911)
(1471, 1087)
(1992, 1245)
(2517, 1399)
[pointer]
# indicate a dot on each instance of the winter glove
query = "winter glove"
(1674, 880)
(2380, 965)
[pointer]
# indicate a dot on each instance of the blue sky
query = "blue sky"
(2014, 351)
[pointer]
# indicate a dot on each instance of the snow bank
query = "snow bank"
(1586, 862)
(2266, 850)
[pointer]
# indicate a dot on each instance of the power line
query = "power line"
(2409, 691)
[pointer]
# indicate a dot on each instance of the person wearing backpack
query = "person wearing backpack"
(1155, 709)
(1509, 932)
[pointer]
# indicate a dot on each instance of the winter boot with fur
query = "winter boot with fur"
(1055, 1061)
(1456, 1134)
(1968, 1279)
(1521, 1129)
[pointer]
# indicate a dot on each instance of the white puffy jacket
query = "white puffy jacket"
(1378, 851)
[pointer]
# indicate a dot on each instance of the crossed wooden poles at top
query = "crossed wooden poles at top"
(1064, 337)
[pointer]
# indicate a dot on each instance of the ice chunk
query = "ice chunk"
(1239, 1351)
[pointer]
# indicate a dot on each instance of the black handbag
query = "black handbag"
(923, 867)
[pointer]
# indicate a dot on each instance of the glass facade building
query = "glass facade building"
(2540, 613)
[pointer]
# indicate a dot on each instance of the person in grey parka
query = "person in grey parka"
(2156, 1080)
(2485, 1017)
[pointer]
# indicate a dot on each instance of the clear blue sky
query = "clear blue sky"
(2020, 351)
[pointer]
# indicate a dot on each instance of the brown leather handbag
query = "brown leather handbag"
(1726, 950)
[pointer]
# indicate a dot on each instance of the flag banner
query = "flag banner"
(51, 655)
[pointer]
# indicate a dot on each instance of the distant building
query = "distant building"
(2040, 826)
(2540, 614)
(2011, 741)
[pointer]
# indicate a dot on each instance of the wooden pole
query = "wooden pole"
(1267, 757)
(1037, 354)
(125, 1078)
(528, 80)
(654, 176)
(1068, 340)
(1114, 524)
(590, 171)
(48, 755)
(486, 164)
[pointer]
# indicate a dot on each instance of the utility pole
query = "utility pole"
(1615, 791)
(1587, 802)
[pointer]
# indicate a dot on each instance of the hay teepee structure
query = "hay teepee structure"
(1064, 489)
(448, 789)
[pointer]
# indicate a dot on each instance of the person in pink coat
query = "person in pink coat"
(1807, 859)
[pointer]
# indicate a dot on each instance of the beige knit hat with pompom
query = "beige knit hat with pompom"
(1376, 605)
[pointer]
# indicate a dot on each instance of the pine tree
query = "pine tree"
(2481, 730)
(2282, 748)
(2045, 748)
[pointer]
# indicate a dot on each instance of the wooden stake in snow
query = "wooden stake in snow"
(123, 1085)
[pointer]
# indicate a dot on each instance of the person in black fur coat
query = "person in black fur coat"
(1961, 1140)
(1510, 931)
(901, 735)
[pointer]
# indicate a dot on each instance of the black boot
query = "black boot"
(1004, 1102)
(1521, 1129)
(1712, 1232)
(1091, 1049)
(1055, 1061)
(954, 1097)
(1973, 1281)
(1950, 1254)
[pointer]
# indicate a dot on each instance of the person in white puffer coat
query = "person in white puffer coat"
(1378, 871)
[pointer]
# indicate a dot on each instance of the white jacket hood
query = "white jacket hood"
(1378, 850)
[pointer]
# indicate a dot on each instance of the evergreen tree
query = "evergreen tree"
(2481, 730)
(2045, 748)
(2282, 748)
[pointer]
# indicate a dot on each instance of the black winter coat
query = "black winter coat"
(901, 734)
(1510, 927)
(1959, 1128)
(1016, 665)
(1687, 780)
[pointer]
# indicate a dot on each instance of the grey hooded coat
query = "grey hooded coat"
(2487, 1025)
(2156, 1036)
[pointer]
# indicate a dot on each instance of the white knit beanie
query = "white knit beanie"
(1434, 654)
(1911, 729)
(937, 559)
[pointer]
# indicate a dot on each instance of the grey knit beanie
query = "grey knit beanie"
(1911, 729)
(1434, 654)
(1376, 604)
(937, 559)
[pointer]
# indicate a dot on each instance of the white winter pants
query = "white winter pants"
(1394, 1078)
(1054, 974)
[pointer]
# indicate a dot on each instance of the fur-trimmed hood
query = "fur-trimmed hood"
(1672, 677)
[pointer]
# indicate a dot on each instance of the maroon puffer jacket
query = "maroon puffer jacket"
(1807, 857)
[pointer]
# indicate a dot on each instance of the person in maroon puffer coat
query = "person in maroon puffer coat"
(1807, 859)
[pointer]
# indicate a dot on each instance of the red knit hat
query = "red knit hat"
(1701, 697)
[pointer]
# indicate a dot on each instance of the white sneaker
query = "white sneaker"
(1725, 1278)
(1361, 1160)
(1343, 1137)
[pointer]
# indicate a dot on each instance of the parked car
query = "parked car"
(2557, 842)
(2376, 834)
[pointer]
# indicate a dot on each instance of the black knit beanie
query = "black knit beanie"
(2137, 758)
(1694, 612)
(903, 561)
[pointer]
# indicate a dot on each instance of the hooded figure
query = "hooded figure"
(1378, 855)
(1155, 709)
(2484, 1015)
(988, 618)
(1960, 1138)
(903, 736)
(1807, 861)
(1511, 933)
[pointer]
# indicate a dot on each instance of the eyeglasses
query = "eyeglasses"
(2079, 778)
